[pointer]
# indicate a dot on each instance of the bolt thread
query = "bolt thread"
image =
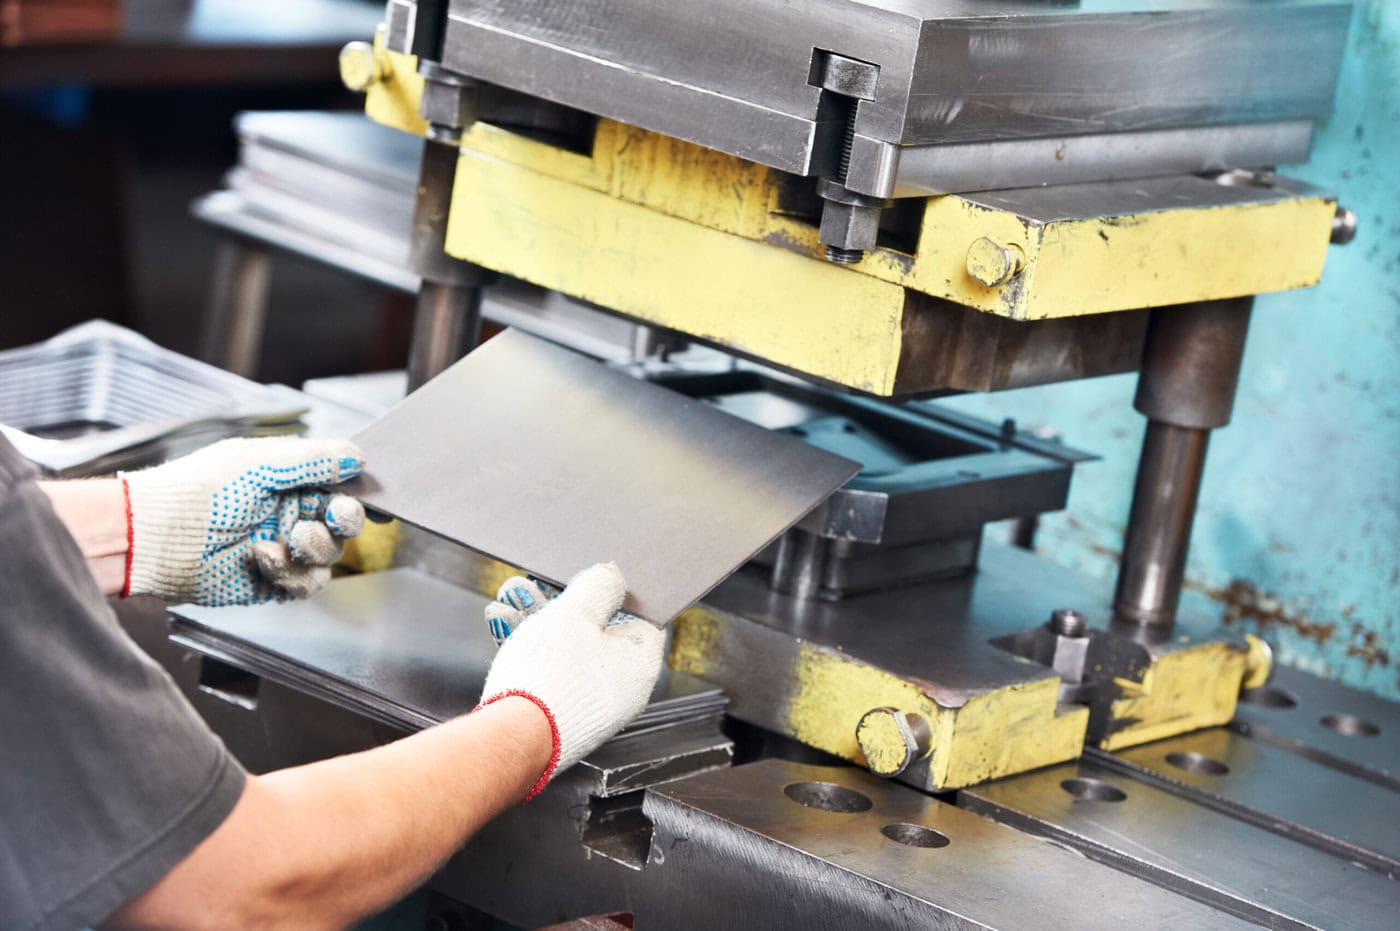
(1068, 623)
(844, 256)
(848, 140)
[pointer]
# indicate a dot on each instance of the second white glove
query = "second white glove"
(588, 671)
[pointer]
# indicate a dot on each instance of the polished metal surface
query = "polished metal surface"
(446, 325)
(924, 170)
(1159, 525)
(1290, 795)
(551, 462)
(401, 647)
(812, 847)
(1186, 387)
(1346, 729)
(1190, 849)
(745, 78)
(1191, 362)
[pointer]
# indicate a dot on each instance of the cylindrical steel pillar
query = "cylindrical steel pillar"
(446, 325)
(800, 564)
(238, 306)
(448, 319)
(1186, 387)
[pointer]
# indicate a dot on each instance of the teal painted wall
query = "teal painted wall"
(1298, 534)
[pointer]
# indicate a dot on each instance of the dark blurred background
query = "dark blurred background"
(113, 118)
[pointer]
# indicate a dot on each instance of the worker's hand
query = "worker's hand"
(241, 521)
(588, 666)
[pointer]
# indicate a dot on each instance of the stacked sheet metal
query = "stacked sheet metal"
(401, 647)
(332, 186)
(99, 397)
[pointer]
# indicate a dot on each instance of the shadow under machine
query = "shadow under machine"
(815, 217)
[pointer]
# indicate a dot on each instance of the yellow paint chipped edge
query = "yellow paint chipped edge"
(1182, 691)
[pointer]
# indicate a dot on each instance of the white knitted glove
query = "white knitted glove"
(241, 521)
(588, 666)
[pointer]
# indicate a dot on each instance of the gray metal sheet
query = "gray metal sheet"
(400, 646)
(549, 461)
(782, 864)
(1269, 786)
(1192, 849)
(1347, 729)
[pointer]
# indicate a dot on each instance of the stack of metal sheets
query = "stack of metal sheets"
(99, 397)
(332, 186)
(401, 647)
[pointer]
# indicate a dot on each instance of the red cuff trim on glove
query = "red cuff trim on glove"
(130, 540)
(553, 735)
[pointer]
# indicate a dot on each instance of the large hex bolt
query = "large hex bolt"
(850, 222)
(892, 740)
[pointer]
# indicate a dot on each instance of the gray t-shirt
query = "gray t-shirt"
(108, 778)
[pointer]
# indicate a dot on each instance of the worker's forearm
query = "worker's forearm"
(323, 845)
(94, 511)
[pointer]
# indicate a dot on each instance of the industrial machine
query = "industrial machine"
(817, 216)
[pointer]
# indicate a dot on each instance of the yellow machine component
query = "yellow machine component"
(822, 694)
(696, 241)
(393, 90)
(1182, 691)
(711, 245)
(374, 549)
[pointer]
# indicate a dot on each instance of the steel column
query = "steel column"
(1186, 387)
(448, 320)
(238, 306)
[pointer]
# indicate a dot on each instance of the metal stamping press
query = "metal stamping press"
(814, 217)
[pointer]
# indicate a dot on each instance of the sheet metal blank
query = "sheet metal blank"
(549, 461)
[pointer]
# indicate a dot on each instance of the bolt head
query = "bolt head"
(892, 740)
(359, 66)
(849, 227)
(1343, 226)
(993, 264)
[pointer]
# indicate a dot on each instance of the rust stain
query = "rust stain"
(1367, 649)
(1246, 602)
(1105, 551)
(785, 240)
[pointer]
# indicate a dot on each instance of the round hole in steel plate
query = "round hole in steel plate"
(1350, 725)
(827, 796)
(914, 835)
(1093, 790)
(1269, 697)
(1198, 763)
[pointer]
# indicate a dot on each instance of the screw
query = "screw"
(1068, 623)
(1258, 663)
(1343, 226)
(892, 740)
(359, 66)
(993, 264)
